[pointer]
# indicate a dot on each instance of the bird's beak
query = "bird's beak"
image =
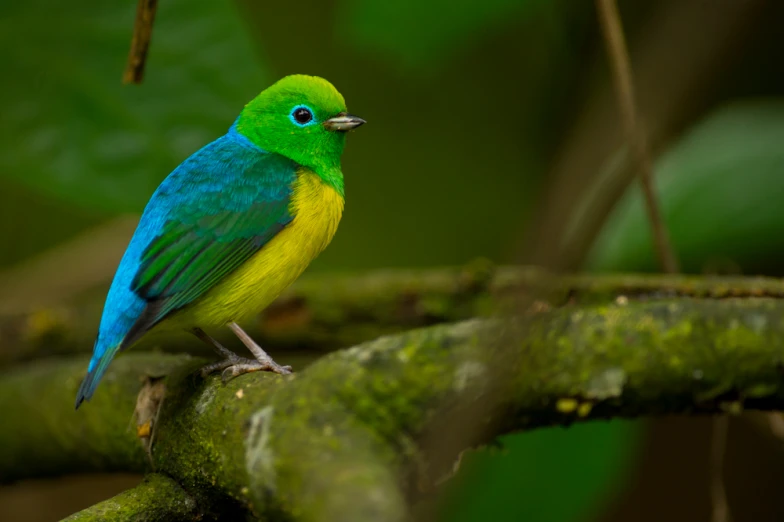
(343, 122)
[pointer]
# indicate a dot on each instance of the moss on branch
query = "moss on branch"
(42, 435)
(324, 312)
(348, 437)
(156, 499)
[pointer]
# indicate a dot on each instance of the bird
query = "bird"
(231, 227)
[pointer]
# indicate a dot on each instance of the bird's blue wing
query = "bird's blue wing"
(211, 214)
(209, 236)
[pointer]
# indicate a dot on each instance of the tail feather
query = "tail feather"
(98, 366)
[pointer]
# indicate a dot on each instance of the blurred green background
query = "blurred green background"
(492, 128)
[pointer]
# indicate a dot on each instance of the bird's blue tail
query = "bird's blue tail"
(98, 365)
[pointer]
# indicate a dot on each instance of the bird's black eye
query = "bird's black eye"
(302, 115)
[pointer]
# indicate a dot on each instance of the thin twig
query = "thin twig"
(140, 43)
(719, 506)
(622, 76)
(637, 139)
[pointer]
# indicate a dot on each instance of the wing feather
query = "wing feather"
(208, 237)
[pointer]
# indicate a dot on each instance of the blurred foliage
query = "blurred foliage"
(71, 130)
(721, 188)
(463, 114)
(551, 475)
(33, 222)
(431, 38)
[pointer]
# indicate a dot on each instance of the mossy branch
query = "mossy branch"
(350, 437)
(324, 312)
(156, 499)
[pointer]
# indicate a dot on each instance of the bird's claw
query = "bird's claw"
(234, 366)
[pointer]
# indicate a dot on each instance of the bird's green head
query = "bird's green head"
(303, 118)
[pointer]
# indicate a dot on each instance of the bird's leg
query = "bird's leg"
(222, 350)
(229, 357)
(263, 361)
(234, 365)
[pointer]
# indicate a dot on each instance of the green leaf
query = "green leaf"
(721, 190)
(72, 130)
(552, 475)
(417, 33)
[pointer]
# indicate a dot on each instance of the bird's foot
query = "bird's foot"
(234, 365)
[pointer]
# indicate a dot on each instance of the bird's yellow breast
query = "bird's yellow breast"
(317, 209)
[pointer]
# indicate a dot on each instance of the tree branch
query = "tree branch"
(345, 435)
(156, 499)
(140, 43)
(673, 68)
(325, 312)
(635, 131)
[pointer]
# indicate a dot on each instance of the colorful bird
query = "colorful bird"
(232, 226)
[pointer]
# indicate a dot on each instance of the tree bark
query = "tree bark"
(363, 430)
(156, 499)
(321, 313)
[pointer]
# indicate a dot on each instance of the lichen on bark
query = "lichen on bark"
(363, 430)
